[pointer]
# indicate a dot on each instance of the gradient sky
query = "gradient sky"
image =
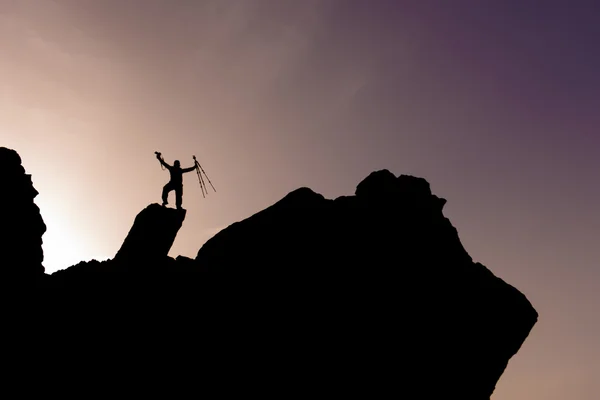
(495, 102)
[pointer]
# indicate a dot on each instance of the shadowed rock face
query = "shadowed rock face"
(389, 282)
(369, 295)
(22, 225)
(152, 234)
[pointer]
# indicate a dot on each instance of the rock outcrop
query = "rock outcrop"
(384, 279)
(143, 256)
(22, 226)
(152, 234)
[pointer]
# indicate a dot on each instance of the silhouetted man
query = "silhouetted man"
(176, 182)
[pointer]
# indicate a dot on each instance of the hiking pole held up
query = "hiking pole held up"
(200, 180)
(200, 171)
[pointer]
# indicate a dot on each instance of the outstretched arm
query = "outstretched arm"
(190, 169)
(163, 162)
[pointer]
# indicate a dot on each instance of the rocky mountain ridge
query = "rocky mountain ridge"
(363, 294)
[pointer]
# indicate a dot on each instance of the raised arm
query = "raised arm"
(163, 162)
(190, 169)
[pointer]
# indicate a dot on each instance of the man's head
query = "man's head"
(177, 163)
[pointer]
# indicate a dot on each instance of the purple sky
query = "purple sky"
(494, 102)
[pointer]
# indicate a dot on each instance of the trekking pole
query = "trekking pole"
(202, 179)
(199, 177)
(202, 169)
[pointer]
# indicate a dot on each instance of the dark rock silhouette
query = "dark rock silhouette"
(152, 234)
(386, 269)
(365, 295)
(21, 253)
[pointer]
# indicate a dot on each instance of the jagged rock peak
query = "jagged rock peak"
(15, 178)
(22, 227)
(9, 157)
(382, 185)
(152, 234)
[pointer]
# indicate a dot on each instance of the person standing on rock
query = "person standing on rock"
(176, 182)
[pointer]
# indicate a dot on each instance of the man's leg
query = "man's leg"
(178, 196)
(165, 193)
